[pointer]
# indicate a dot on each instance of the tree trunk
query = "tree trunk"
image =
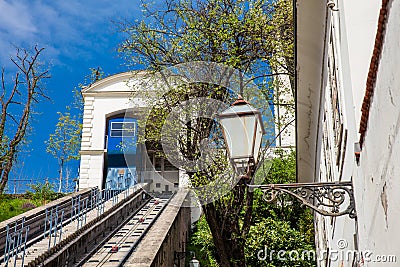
(227, 238)
(229, 221)
(61, 176)
(5, 172)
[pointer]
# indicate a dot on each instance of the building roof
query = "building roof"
(119, 83)
(311, 31)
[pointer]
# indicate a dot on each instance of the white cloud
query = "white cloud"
(69, 28)
(16, 19)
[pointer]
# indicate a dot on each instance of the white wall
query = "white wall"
(353, 27)
(378, 176)
(360, 18)
(376, 179)
(285, 125)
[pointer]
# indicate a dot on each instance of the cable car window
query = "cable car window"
(123, 129)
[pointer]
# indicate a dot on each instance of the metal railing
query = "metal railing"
(16, 239)
(54, 218)
(53, 225)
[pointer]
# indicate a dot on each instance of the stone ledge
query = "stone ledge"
(148, 250)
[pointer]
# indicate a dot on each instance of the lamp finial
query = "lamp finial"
(240, 101)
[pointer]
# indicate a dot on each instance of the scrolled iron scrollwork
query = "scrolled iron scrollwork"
(329, 199)
(269, 195)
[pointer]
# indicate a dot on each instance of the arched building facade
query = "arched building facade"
(111, 155)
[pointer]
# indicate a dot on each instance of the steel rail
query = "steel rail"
(109, 236)
(137, 222)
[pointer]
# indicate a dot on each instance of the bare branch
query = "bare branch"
(3, 85)
(27, 78)
(12, 118)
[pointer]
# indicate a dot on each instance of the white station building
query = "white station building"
(111, 113)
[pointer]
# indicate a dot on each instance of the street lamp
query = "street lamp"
(194, 262)
(180, 255)
(242, 129)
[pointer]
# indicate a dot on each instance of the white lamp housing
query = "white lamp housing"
(243, 129)
(194, 262)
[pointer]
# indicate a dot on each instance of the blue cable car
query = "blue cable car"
(121, 146)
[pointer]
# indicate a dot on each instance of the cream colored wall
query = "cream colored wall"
(311, 32)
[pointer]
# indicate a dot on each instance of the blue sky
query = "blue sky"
(77, 35)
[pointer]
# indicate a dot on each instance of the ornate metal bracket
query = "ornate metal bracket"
(329, 199)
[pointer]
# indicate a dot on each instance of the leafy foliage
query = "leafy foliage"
(275, 226)
(282, 225)
(43, 193)
(13, 205)
(244, 35)
(270, 236)
(10, 207)
(282, 170)
(64, 143)
(201, 242)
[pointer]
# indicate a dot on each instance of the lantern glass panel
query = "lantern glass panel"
(243, 131)
(257, 143)
(239, 135)
(194, 263)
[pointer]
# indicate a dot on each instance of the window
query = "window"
(337, 116)
(158, 185)
(123, 129)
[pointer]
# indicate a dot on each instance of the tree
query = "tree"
(240, 34)
(64, 143)
(17, 99)
(274, 227)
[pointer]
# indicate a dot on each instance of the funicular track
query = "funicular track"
(123, 241)
(81, 228)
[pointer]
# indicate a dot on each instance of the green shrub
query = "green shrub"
(42, 193)
(10, 207)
